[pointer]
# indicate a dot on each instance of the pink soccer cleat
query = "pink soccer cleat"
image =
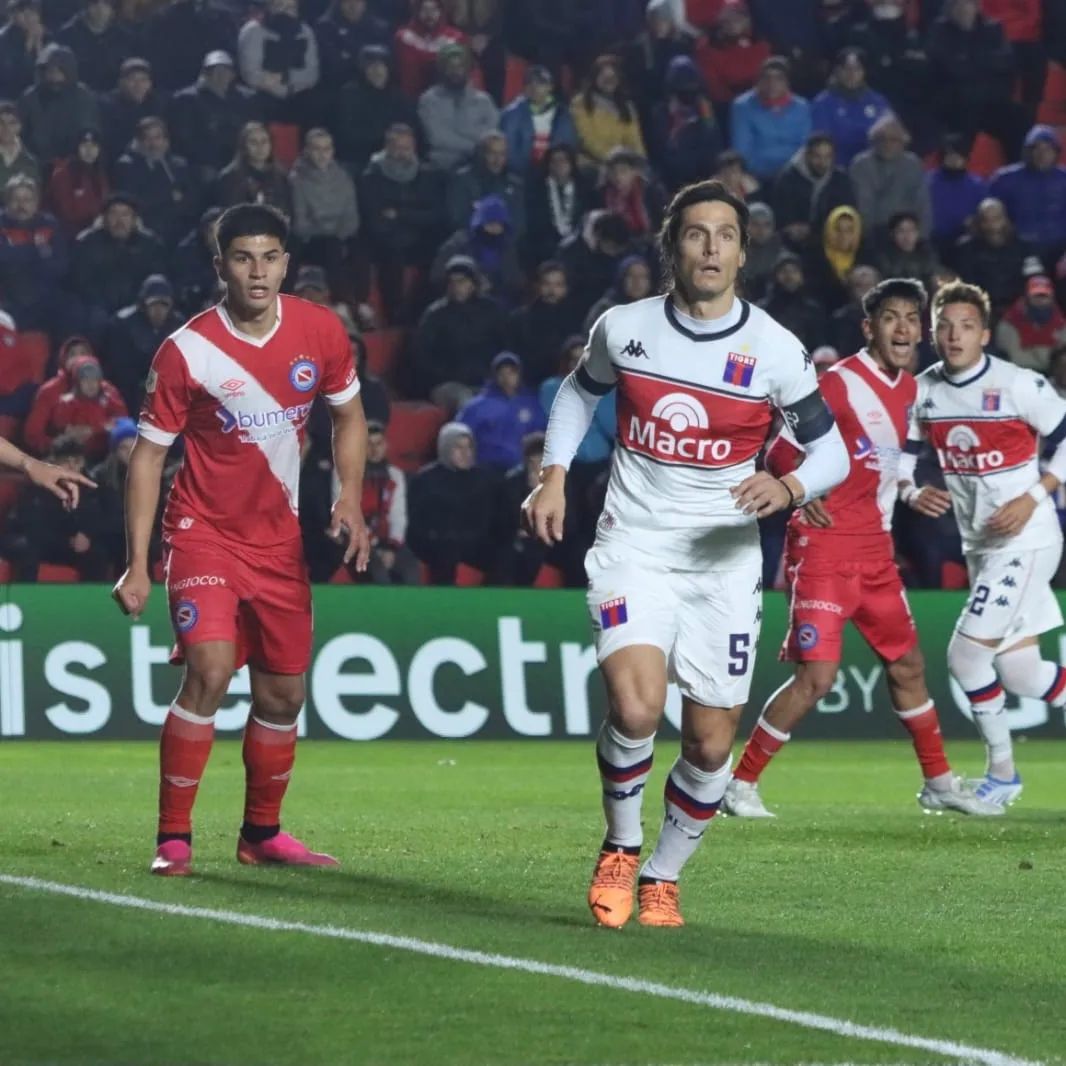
(281, 849)
(172, 859)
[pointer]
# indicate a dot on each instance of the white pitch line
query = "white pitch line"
(805, 1019)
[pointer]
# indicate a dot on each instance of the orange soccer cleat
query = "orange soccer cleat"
(659, 904)
(611, 890)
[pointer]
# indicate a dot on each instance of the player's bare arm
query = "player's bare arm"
(63, 483)
(142, 501)
(349, 460)
(544, 509)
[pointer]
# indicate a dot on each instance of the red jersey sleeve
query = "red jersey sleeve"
(166, 397)
(339, 380)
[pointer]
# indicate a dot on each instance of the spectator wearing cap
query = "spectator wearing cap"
(455, 115)
(683, 134)
(888, 178)
(206, 117)
(22, 37)
(162, 182)
(559, 194)
(730, 56)
(954, 192)
(489, 240)
(325, 218)
(647, 58)
(33, 259)
(1034, 193)
(179, 34)
(312, 284)
(992, 256)
(367, 107)
(133, 98)
(112, 257)
(58, 107)
(89, 410)
(591, 256)
(536, 331)
(605, 114)
(451, 508)
(253, 177)
(765, 244)
(487, 175)
(789, 304)
(1032, 326)
(535, 122)
(79, 186)
(134, 334)
(35, 429)
(104, 518)
(417, 46)
(847, 108)
(100, 41)
(456, 338)
(626, 190)
(769, 123)
(196, 283)
(347, 27)
(634, 281)
(15, 159)
(278, 57)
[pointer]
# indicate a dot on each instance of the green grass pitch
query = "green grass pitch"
(852, 904)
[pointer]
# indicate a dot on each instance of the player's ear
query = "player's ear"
(216, 262)
(867, 330)
(986, 337)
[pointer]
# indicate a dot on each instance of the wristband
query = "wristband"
(910, 493)
(793, 499)
(1038, 492)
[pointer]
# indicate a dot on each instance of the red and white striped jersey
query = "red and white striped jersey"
(872, 410)
(242, 403)
(694, 410)
(984, 429)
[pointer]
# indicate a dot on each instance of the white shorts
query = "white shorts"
(1010, 595)
(706, 622)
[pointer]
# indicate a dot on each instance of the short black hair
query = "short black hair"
(909, 289)
(550, 266)
(819, 137)
(251, 220)
(903, 216)
(702, 192)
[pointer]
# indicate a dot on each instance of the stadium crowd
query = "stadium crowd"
(471, 183)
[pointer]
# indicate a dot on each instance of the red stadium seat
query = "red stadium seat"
(341, 576)
(10, 487)
(6, 572)
(468, 576)
(53, 573)
(953, 576)
(24, 362)
(986, 156)
(548, 577)
(36, 349)
(514, 78)
(412, 433)
(1052, 109)
(383, 347)
(286, 141)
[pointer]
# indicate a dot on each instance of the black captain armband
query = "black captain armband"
(590, 384)
(809, 418)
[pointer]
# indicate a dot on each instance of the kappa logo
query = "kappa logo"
(635, 350)
(1002, 601)
(1008, 582)
(186, 615)
(680, 412)
(303, 375)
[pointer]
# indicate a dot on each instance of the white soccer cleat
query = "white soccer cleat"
(996, 790)
(742, 800)
(960, 797)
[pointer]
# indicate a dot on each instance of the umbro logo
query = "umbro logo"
(635, 350)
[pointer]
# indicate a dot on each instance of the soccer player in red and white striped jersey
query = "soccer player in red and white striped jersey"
(840, 565)
(237, 382)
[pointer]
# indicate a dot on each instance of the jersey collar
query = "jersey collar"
(671, 317)
(256, 342)
(971, 376)
(870, 363)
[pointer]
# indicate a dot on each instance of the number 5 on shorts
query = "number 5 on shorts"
(739, 643)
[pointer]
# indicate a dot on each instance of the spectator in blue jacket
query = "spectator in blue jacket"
(536, 122)
(502, 414)
(769, 122)
(1034, 192)
(33, 258)
(848, 107)
(598, 442)
(954, 192)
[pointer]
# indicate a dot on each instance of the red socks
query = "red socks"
(763, 744)
(183, 752)
(924, 727)
(269, 752)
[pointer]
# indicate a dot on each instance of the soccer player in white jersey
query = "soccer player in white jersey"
(840, 561)
(983, 416)
(674, 575)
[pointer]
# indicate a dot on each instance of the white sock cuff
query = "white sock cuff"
(914, 712)
(188, 716)
(703, 778)
(775, 733)
(272, 725)
(615, 737)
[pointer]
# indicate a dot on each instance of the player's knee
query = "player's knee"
(814, 683)
(206, 684)
(969, 661)
(280, 704)
(906, 671)
(636, 711)
(709, 752)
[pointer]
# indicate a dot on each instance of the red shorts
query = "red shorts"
(259, 601)
(824, 596)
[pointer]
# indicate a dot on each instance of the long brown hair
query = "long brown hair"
(620, 97)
